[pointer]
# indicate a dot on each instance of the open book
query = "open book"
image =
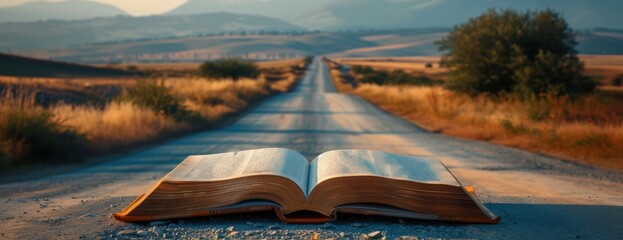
(283, 180)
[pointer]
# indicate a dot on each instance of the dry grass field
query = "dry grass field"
(213, 100)
(409, 64)
(190, 66)
(603, 67)
(588, 130)
(94, 108)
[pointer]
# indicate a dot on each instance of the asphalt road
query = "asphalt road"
(537, 197)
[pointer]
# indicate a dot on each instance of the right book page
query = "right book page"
(345, 163)
(378, 183)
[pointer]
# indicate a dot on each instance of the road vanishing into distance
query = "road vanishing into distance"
(537, 197)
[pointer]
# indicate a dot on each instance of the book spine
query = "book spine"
(295, 218)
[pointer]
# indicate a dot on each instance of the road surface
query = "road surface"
(537, 197)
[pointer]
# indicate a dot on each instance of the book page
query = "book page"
(269, 161)
(341, 163)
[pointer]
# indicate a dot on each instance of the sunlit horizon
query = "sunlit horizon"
(134, 7)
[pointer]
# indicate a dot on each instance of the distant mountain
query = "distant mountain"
(61, 33)
(67, 10)
(383, 14)
(270, 8)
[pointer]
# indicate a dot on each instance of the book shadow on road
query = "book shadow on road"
(519, 220)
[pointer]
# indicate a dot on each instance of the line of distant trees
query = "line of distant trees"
(363, 31)
(204, 34)
(174, 56)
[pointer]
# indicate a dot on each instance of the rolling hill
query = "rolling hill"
(383, 14)
(422, 43)
(190, 49)
(413, 42)
(200, 17)
(271, 8)
(11, 65)
(67, 10)
(61, 33)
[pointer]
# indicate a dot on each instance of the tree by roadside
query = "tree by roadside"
(528, 53)
(233, 68)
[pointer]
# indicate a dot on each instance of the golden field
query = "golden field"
(102, 126)
(186, 67)
(213, 100)
(587, 130)
(91, 107)
(603, 67)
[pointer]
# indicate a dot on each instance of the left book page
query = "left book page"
(224, 166)
(206, 185)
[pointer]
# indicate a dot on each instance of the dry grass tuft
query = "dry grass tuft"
(285, 84)
(30, 134)
(217, 98)
(589, 130)
(119, 124)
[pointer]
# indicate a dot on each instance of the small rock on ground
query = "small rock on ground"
(126, 232)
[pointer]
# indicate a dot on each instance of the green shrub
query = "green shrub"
(377, 78)
(362, 70)
(31, 134)
(400, 77)
(132, 68)
(593, 140)
(538, 109)
(527, 53)
(546, 106)
(515, 129)
(308, 60)
(156, 96)
(233, 68)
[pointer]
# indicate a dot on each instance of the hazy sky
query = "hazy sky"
(134, 7)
